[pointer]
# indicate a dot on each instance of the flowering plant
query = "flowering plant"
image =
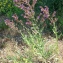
(29, 15)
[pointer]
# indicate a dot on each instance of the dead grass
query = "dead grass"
(11, 47)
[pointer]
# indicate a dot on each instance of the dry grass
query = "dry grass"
(11, 47)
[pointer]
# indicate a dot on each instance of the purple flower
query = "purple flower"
(28, 23)
(9, 23)
(45, 11)
(22, 6)
(39, 16)
(15, 17)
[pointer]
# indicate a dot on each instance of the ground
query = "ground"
(10, 47)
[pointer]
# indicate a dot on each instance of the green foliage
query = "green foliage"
(5, 6)
(8, 8)
(16, 10)
(36, 42)
(3, 25)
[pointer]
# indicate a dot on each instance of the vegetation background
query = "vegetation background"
(20, 43)
(7, 8)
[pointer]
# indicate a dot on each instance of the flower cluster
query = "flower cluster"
(45, 11)
(46, 15)
(30, 13)
(28, 23)
(15, 17)
(10, 24)
(28, 9)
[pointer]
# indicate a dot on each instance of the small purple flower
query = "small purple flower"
(28, 23)
(39, 16)
(9, 23)
(45, 11)
(22, 6)
(15, 17)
